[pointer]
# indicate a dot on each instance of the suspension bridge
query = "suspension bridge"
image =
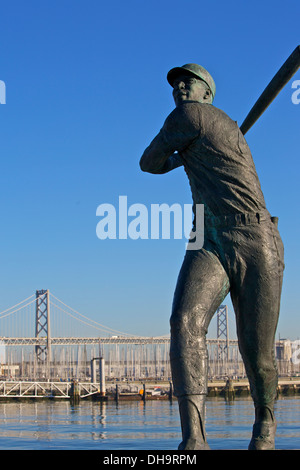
(45, 345)
(28, 324)
(43, 336)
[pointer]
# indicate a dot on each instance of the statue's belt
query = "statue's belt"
(234, 220)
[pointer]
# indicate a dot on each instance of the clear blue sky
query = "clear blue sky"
(86, 93)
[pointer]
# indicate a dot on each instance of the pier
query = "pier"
(150, 390)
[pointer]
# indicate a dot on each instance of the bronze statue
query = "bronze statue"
(242, 254)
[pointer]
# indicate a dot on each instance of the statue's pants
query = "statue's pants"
(242, 254)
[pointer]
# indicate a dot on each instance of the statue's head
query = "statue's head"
(191, 82)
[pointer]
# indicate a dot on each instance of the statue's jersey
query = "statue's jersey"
(216, 158)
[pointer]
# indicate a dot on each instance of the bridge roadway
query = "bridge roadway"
(42, 341)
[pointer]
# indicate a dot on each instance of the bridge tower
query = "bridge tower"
(222, 333)
(42, 326)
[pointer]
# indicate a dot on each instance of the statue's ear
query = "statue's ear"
(207, 96)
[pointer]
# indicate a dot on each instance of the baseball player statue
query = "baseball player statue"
(242, 254)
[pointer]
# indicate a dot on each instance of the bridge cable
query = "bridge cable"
(89, 319)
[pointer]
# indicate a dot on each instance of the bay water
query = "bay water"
(135, 425)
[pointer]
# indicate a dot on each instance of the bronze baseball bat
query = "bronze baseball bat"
(283, 75)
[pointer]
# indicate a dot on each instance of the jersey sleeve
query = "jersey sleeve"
(180, 129)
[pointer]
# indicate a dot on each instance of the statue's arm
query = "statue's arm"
(158, 158)
(174, 161)
(154, 160)
(163, 154)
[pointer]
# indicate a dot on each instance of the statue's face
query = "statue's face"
(187, 88)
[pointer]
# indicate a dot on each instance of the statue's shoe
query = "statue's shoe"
(263, 436)
(193, 444)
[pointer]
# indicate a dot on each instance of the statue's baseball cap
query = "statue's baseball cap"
(194, 70)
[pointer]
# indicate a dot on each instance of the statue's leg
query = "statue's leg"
(201, 287)
(192, 418)
(255, 293)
